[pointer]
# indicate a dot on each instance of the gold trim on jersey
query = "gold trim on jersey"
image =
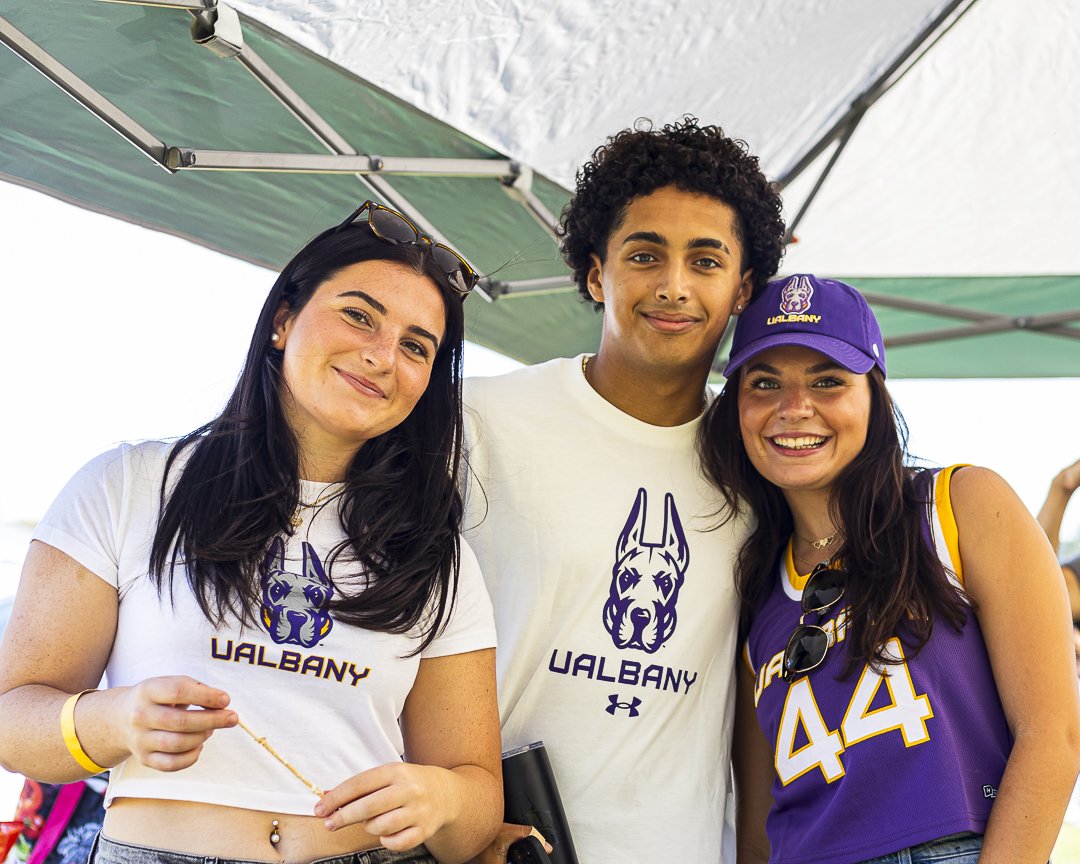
(796, 580)
(947, 519)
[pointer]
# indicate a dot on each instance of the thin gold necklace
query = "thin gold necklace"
(822, 542)
(328, 494)
(819, 544)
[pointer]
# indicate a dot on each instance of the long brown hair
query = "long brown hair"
(400, 511)
(897, 585)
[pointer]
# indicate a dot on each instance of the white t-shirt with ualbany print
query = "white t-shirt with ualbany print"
(615, 608)
(326, 695)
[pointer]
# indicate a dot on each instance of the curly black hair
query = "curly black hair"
(638, 161)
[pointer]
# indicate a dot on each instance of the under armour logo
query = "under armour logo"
(630, 706)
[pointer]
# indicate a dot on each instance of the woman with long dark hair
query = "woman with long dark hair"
(299, 649)
(907, 692)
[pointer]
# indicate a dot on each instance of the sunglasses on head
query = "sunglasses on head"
(808, 645)
(393, 227)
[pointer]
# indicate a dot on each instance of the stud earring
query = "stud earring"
(738, 308)
(275, 338)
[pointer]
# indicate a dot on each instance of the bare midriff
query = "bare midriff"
(229, 832)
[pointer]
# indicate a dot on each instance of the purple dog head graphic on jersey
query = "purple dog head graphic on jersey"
(646, 578)
(294, 604)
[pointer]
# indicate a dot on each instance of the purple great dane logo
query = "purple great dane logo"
(795, 295)
(646, 578)
(294, 605)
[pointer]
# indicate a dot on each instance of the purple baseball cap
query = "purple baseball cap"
(822, 314)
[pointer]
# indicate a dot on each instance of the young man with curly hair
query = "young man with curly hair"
(596, 530)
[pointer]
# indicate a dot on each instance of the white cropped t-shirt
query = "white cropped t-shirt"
(326, 695)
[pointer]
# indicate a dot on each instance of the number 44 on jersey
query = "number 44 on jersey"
(906, 713)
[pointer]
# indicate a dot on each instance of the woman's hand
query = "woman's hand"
(160, 730)
(57, 642)
(448, 795)
(401, 804)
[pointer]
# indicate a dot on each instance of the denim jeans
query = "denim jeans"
(106, 851)
(954, 849)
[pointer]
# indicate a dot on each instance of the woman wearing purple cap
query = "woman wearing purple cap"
(908, 691)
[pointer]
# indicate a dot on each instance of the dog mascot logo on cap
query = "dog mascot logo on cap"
(646, 578)
(795, 295)
(294, 604)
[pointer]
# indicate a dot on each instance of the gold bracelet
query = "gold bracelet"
(67, 729)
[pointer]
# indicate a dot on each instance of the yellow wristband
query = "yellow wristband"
(67, 729)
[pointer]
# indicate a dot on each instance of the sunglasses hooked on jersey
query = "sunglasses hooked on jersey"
(808, 645)
(393, 227)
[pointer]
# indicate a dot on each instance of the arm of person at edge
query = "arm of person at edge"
(752, 761)
(57, 643)
(1050, 515)
(1061, 490)
(448, 795)
(1011, 574)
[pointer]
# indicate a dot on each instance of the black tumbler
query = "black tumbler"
(531, 797)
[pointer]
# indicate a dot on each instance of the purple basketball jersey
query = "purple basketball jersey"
(877, 763)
